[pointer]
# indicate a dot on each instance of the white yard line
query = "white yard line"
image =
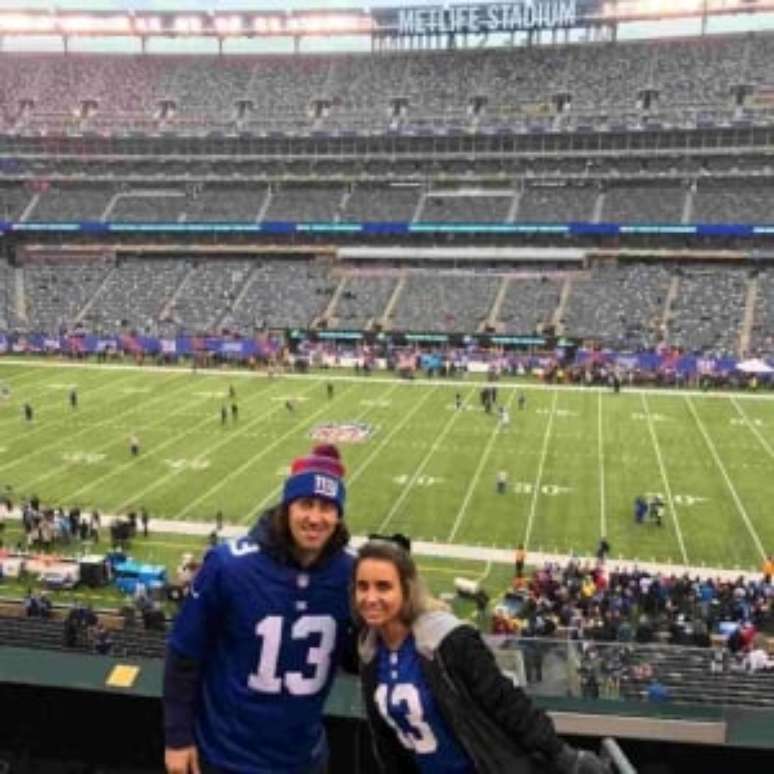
(485, 574)
(664, 478)
(539, 477)
(67, 440)
(209, 419)
(721, 467)
(11, 361)
(277, 489)
(251, 460)
(418, 472)
(477, 474)
(766, 445)
(43, 419)
(601, 456)
(363, 465)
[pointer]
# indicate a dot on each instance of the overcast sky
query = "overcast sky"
(256, 45)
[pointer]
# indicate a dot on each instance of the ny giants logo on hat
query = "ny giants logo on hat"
(326, 487)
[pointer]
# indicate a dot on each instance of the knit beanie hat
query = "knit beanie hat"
(320, 474)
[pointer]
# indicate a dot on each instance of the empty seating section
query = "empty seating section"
(698, 73)
(439, 87)
(380, 203)
(49, 634)
(762, 334)
(557, 203)
(56, 293)
(517, 86)
(13, 201)
(161, 206)
(207, 293)
(120, 85)
(445, 302)
(603, 79)
(282, 89)
(687, 674)
(363, 299)
(135, 294)
(226, 203)
(282, 294)
(208, 87)
(6, 294)
(307, 203)
(72, 202)
(655, 203)
(18, 79)
(529, 303)
(706, 315)
(622, 306)
(733, 202)
(761, 69)
(361, 88)
(481, 208)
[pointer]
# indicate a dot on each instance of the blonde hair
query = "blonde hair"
(417, 599)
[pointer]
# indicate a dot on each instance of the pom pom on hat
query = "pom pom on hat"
(325, 457)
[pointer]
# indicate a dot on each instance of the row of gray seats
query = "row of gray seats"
(355, 90)
(621, 305)
(87, 171)
(560, 201)
(706, 315)
(688, 676)
(628, 306)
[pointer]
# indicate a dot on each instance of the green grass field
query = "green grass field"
(575, 458)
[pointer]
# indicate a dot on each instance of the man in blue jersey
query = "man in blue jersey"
(253, 652)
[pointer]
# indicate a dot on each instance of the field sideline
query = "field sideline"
(575, 457)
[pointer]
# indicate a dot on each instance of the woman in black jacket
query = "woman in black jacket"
(436, 701)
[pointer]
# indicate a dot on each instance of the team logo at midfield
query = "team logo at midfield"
(342, 432)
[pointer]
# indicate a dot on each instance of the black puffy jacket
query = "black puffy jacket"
(495, 722)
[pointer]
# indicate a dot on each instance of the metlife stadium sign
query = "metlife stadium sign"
(486, 18)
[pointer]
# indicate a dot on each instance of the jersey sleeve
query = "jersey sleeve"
(201, 610)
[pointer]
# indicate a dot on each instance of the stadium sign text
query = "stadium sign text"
(485, 18)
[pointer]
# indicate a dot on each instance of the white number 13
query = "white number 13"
(422, 740)
(269, 629)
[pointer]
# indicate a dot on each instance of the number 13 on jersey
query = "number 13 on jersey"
(269, 679)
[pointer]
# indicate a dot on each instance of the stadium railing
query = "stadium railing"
(659, 675)
(614, 755)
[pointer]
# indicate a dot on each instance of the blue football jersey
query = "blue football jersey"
(407, 705)
(268, 637)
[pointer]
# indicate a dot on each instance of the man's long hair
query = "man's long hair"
(282, 538)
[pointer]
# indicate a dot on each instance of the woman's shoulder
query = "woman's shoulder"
(431, 629)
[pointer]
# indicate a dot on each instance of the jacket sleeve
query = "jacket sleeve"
(188, 648)
(472, 663)
(179, 696)
(348, 658)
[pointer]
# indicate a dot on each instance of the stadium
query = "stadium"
(513, 259)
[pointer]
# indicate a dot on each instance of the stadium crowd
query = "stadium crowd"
(634, 605)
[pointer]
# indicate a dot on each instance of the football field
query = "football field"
(575, 458)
